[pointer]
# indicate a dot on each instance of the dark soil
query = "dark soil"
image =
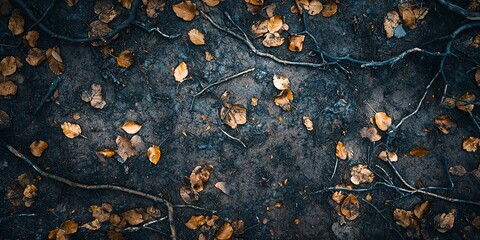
(276, 151)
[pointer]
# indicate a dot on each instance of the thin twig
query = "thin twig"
(156, 29)
(194, 207)
(334, 169)
(134, 229)
(383, 216)
(49, 93)
(474, 120)
(223, 81)
(232, 137)
(43, 15)
(458, 10)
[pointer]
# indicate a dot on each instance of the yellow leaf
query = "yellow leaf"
(8, 66)
(281, 82)
(37, 147)
(71, 130)
(296, 43)
(341, 151)
(196, 37)
(471, 144)
(195, 222)
(125, 59)
(180, 72)
(383, 121)
(185, 10)
(419, 152)
(307, 121)
(225, 232)
(16, 22)
(391, 155)
(154, 154)
(131, 127)
(350, 207)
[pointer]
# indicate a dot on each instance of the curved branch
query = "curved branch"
(460, 11)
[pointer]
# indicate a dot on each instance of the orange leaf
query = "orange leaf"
(71, 130)
(37, 147)
(185, 10)
(419, 152)
(131, 127)
(225, 232)
(350, 207)
(341, 151)
(125, 59)
(196, 37)
(180, 72)
(195, 222)
(154, 154)
(383, 121)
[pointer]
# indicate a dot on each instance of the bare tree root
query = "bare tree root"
(460, 11)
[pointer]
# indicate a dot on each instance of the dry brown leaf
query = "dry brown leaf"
(361, 174)
(457, 170)
(307, 121)
(101, 213)
(211, 3)
(222, 186)
(95, 97)
(153, 211)
(273, 40)
(93, 225)
(419, 152)
(341, 151)
(211, 220)
(445, 221)
(467, 96)
(225, 232)
(392, 20)
(370, 133)
(98, 29)
(198, 177)
(133, 217)
(350, 207)
(274, 24)
(477, 76)
(105, 10)
(195, 222)
(444, 123)
(254, 102)
(153, 6)
(260, 28)
(4, 119)
(233, 115)
(35, 57)
(71, 3)
(30, 191)
(471, 144)
(408, 16)
(37, 147)
(107, 153)
(16, 22)
(126, 3)
(420, 12)
(403, 218)
(284, 99)
(368, 197)
(8, 66)
(421, 210)
(180, 72)
(185, 10)
(196, 37)
(391, 155)
(296, 43)
(330, 8)
(315, 7)
(255, 2)
(154, 154)
(8, 88)
(55, 61)
(270, 9)
(125, 148)
(208, 56)
(125, 59)
(281, 82)
(71, 130)
(383, 121)
(187, 195)
(70, 227)
(31, 38)
(131, 127)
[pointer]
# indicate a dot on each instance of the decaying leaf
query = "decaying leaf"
(187, 195)
(8, 88)
(477, 74)
(273, 40)
(341, 151)
(37, 147)
(281, 82)
(98, 29)
(419, 152)
(185, 10)
(392, 156)
(392, 20)
(35, 57)
(195, 222)
(95, 97)
(403, 218)
(383, 121)
(131, 127)
(411, 14)
(71, 3)
(421, 210)
(233, 115)
(16, 23)
(101, 213)
(296, 43)
(313, 7)
(30, 191)
(284, 99)
(8, 66)
(225, 232)
(330, 8)
(307, 121)
(180, 72)
(71, 130)
(274, 24)
(471, 144)
(339, 196)
(260, 28)
(125, 59)
(126, 3)
(444, 123)
(222, 186)
(55, 62)
(70, 227)
(208, 56)
(107, 153)
(153, 6)
(31, 38)
(445, 221)
(254, 102)
(133, 217)
(93, 225)
(270, 9)
(125, 148)
(370, 133)
(198, 177)
(350, 207)
(212, 3)
(196, 37)
(467, 96)
(255, 2)
(457, 170)
(154, 154)
(4, 119)
(105, 10)
(361, 174)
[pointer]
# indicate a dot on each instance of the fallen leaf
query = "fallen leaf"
(361, 174)
(93, 225)
(35, 57)
(471, 144)
(476, 222)
(211, 3)
(419, 152)
(195, 222)
(476, 173)
(153, 6)
(187, 195)
(281, 82)
(125, 59)
(477, 76)
(8, 88)
(185, 10)
(153, 211)
(273, 40)
(70, 227)
(106, 153)
(467, 96)
(30, 191)
(307, 121)
(37, 147)
(99, 29)
(101, 213)
(370, 133)
(133, 217)
(154, 154)
(211, 220)
(392, 20)
(8, 66)
(105, 10)
(71, 130)
(296, 43)
(233, 115)
(444, 123)
(260, 28)
(421, 210)
(95, 97)
(383, 121)
(4, 118)
(350, 207)
(16, 23)
(225, 232)
(222, 187)
(274, 24)
(55, 62)
(126, 3)
(341, 151)
(125, 148)
(71, 3)
(368, 197)
(198, 177)
(330, 8)
(180, 72)
(31, 38)
(403, 218)
(255, 2)
(270, 9)
(284, 99)
(445, 221)
(408, 17)
(254, 102)
(391, 155)
(196, 37)
(457, 170)
(131, 127)
(315, 7)
(208, 56)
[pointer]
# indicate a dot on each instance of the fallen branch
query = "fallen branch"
(156, 29)
(49, 93)
(232, 137)
(460, 11)
(134, 229)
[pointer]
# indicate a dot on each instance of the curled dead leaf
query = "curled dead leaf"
(55, 61)
(222, 186)
(35, 57)
(131, 127)
(125, 59)
(341, 151)
(225, 232)
(296, 43)
(419, 152)
(195, 222)
(187, 195)
(383, 121)
(307, 121)
(198, 177)
(330, 8)
(392, 20)
(392, 156)
(71, 130)
(370, 133)
(31, 38)
(95, 97)
(107, 153)
(133, 217)
(464, 106)
(471, 144)
(350, 207)
(8, 66)
(101, 213)
(126, 3)
(274, 24)
(444, 123)
(16, 23)
(69, 226)
(233, 115)
(30, 191)
(361, 174)
(37, 147)
(281, 82)
(185, 10)
(403, 218)
(93, 225)
(284, 99)
(154, 154)
(105, 10)
(421, 210)
(8, 88)
(180, 72)
(125, 148)
(445, 221)
(273, 40)
(196, 37)
(260, 28)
